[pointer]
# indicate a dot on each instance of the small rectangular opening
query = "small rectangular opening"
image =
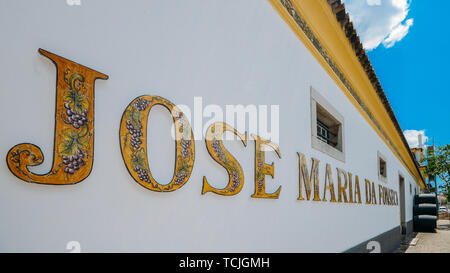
(383, 172)
(328, 128)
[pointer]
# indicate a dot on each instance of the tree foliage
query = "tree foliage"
(438, 164)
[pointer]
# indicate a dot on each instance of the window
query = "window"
(327, 127)
(410, 188)
(382, 168)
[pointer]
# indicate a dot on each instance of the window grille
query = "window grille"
(324, 133)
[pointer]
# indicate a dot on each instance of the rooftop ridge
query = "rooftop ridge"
(343, 18)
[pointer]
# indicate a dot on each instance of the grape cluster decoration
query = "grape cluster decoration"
(74, 118)
(74, 162)
(260, 177)
(185, 144)
(136, 130)
(133, 140)
(142, 174)
(218, 150)
(215, 144)
(75, 140)
(141, 104)
(179, 177)
(134, 127)
(236, 180)
(135, 133)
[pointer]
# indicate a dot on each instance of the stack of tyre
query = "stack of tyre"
(425, 212)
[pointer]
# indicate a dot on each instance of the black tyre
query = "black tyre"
(429, 198)
(425, 209)
(425, 222)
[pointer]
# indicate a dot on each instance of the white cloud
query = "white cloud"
(398, 33)
(380, 21)
(412, 136)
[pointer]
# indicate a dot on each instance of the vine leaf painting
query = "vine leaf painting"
(73, 150)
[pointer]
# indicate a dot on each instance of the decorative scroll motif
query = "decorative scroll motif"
(262, 168)
(305, 28)
(218, 152)
(133, 143)
(74, 128)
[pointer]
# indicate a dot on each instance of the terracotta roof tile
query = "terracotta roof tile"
(343, 18)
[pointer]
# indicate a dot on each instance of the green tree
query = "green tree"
(438, 164)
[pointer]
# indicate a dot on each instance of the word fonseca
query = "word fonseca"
(74, 135)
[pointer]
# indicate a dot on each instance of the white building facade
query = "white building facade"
(292, 58)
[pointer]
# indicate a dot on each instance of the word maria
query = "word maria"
(348, 189)
(74, 152)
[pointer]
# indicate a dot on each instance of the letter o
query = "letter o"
(133, 143)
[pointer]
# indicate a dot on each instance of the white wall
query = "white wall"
(228, 52)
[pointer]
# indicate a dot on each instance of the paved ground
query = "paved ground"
(427, 242)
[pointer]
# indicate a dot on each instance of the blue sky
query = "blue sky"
(407, 43)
